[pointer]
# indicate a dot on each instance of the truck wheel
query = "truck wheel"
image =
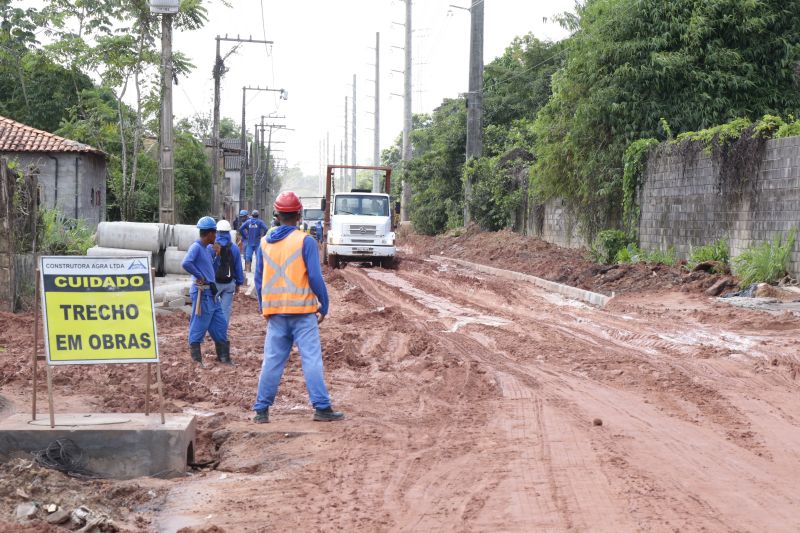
(333, 261)
(387, 262)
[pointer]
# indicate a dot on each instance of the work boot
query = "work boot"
(262, 416)
(197, 355)
(327, 415)
(224, 352)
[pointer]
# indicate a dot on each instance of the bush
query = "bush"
(63, 235)
(607, 244)
(716, 251)
(766, 262)
(634, 254)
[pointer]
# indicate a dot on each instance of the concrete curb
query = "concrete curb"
(575, 293)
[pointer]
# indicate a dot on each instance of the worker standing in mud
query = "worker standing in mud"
(237, 227)
(252, 231)
(293, 298)
(206, 312)
(227, 268)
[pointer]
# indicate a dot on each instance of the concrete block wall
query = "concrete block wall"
(559, 225)
(682, 206)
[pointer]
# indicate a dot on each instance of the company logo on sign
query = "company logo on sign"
(137, 264)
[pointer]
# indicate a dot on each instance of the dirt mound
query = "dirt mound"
(511, 251)
(22, 481)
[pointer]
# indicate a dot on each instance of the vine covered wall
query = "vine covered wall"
(690, 198)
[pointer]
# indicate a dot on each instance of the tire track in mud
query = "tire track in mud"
(658, 363)
(652, 497)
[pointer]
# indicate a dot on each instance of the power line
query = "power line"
(270, 54)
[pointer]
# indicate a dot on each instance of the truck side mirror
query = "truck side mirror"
(397, 208)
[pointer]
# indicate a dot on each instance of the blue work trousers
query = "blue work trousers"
(211, 320)
(282, 332)
(225, 292)
(249, 250)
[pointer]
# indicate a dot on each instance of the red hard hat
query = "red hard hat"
(288, 202)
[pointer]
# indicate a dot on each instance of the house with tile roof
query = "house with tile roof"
(72, 176)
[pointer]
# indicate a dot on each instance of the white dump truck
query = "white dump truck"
(359, 224)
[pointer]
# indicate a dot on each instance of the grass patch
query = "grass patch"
(716, 251)
(607, 244)
(634, 254)
(63, 235)
(767, 262)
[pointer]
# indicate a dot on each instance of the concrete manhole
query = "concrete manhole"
(81, 420)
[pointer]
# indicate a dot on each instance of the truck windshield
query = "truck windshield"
(353, 204)
(313, 214)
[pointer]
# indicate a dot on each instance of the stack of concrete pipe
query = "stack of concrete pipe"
(125, 239)
(165, 244)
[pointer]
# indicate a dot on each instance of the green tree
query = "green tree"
(192, 178)
(439, 144)
(632, 62)
(49, 90)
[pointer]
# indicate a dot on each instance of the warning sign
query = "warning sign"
(98, 310)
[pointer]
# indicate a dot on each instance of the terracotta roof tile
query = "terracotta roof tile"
(17, 137)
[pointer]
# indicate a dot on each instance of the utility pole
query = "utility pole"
(406, 197)
(243, 165)
(255, 167)
(354, 158)
(219, 71)
(346, 130)
(376, 148)
(166, 210)
(474, 97)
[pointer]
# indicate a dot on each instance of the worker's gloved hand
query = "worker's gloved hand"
(213, 288)
(217, 248)
(320, 318)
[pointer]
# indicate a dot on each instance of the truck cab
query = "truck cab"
(360, 229)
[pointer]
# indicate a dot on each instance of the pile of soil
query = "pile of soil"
(115, 504)
(570, 266)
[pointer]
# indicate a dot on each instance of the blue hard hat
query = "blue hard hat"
(207, 223)
(243, 213)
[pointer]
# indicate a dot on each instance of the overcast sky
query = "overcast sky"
(320, 44)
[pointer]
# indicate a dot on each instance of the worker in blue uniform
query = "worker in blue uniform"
(252, 231)
(319, 231)
(293, 298)
(207, 313)
(237, 227)
(227, 268)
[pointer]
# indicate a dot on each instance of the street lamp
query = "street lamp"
(165, 7)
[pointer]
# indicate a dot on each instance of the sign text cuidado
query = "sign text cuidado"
(98, 310)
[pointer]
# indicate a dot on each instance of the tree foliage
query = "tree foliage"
(631, 62)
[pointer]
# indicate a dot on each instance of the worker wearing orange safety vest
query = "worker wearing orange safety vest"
(293, 298)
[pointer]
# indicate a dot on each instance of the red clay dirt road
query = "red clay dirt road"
(471, 406)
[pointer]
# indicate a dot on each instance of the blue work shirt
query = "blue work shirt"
(310, 258)
(252, 231)
(239, 221)
(224, 239)
(198, 263)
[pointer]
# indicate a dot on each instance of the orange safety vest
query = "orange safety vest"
(284, 286)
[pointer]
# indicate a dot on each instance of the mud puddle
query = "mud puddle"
(444, 308)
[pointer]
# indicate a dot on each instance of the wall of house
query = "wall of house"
(87, 201)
